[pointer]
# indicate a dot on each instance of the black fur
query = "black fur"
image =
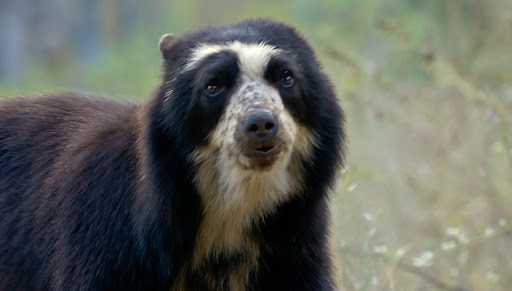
(97, 194)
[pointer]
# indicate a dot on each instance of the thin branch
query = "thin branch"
(407, 268)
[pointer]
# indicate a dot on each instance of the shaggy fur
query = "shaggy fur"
(169, 194)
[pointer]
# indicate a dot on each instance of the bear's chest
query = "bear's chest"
(225, 253)
(224, 258)
(220, 272)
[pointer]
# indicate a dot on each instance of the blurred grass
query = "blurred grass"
(425, 200)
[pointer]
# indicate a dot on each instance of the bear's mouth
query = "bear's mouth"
(265, 149)
(259, 156)
(259, 151)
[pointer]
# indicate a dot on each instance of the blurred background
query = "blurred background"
(425, 199)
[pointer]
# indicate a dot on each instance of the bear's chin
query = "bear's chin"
(257, 163)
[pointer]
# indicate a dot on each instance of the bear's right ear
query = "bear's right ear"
(165, 44)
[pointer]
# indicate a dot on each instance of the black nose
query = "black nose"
(260, 124)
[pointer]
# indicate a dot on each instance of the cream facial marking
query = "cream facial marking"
(234, 192)
(253, 57)
(233, 196)
(236, 188)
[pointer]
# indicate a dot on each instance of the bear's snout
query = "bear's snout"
(258, 133)
(260, 125)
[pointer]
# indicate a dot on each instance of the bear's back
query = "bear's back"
(36, 131)
(52, 146)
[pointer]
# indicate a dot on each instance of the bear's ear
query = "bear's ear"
(165, 44)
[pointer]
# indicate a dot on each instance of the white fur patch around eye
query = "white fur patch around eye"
(253, 57)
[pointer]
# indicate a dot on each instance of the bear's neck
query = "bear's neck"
(232, 200)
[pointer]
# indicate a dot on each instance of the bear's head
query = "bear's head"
(252, 104)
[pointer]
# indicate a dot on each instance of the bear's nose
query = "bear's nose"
(260, 124)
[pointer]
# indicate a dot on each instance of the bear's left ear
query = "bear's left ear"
(165, 44)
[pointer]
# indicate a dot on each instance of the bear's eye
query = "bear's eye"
(287, 79)
(212, 90)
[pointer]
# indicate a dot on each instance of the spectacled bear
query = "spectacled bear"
(219, 181)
